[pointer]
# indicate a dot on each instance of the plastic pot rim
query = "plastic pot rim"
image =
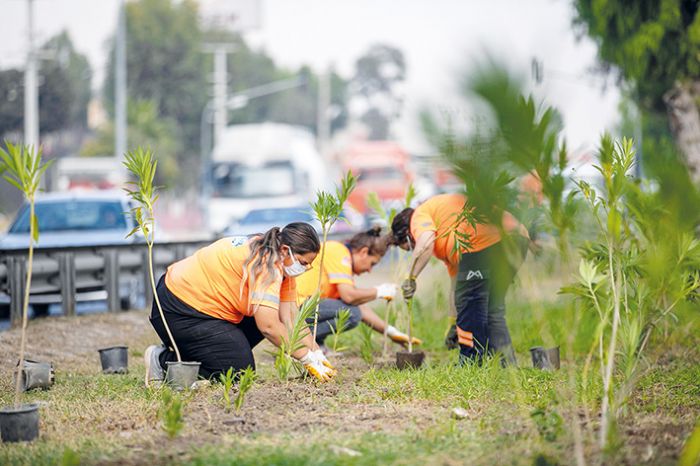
(23, 408)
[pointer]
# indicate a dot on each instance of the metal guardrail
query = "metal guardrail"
(66, 275)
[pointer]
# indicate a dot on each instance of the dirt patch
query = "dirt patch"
(300, 406)
(72, 342)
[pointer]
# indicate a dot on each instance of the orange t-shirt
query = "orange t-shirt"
(439, 214)
(210, 282)
(337, 268)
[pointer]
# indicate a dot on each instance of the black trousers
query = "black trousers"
(328, 313)
(482, 284)
(217, 344)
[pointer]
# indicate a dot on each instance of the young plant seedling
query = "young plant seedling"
(341, 323)
(328, 209)
(246, 378)
(142, 165)
(21, 167)
(227, 384)
(284, 362)
(171, 412)
(366, 346)
(375, 204)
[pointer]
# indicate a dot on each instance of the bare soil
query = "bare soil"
(273, 409)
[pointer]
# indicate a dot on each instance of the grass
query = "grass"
(380, 414)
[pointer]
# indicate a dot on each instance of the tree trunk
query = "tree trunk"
(684, 120)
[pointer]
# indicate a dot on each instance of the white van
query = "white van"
(257, 166)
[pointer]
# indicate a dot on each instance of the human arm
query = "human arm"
(288, 313)
(422, 252)
(353, 296)
(370, 318)
(421, 256)
(274, 330)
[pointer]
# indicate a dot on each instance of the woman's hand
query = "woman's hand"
(315, 366)
(386, 291)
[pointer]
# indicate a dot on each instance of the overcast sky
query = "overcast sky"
(439, 38)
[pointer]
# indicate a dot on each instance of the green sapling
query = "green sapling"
(21, 167)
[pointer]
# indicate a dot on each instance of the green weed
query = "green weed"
(366, 346)
(246, 378)
(342, 323)
(227, 380)
(171, 412)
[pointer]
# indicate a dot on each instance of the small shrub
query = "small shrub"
(245, 383)
(171, 412)
(227, 383)
(342, 323)
(548, 422)
(366, 346)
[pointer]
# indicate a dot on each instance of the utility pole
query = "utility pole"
(220, 86)
(323, 127)
(31, 97)
(120, 122)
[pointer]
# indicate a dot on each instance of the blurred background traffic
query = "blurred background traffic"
(251, 106)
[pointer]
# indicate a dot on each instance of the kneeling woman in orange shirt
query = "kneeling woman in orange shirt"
(342, 261)
(224, 299)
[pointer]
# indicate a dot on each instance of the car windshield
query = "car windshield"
(380, 174)
(73, 215)
(235, 180)
(277, 216)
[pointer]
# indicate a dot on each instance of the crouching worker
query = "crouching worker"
(338, 291)
(480, 274)
(224, 299)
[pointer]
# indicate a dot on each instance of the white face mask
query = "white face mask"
(296, 268)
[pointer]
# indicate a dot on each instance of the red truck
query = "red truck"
(382, 167)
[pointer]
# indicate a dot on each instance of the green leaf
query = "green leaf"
(35, 228)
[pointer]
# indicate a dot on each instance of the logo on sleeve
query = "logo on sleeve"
(238, 240)
(346, 261)
(475, 274)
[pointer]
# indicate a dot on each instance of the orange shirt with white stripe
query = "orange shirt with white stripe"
(440, 215)
(210, 282)
(337, 269)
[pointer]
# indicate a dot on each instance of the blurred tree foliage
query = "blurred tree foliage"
(655, 45)
(146, 129)
(167, 65)
(64, 91)
(378, 74)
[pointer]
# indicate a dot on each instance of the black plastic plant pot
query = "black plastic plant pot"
(36, 374)
(181, 375)
(545, 359)
(115, 360)
(19, 424)
(409, 360)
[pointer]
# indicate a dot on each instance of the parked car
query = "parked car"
(74, 218)
(68, 219)
(261, 220)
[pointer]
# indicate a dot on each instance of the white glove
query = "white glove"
(315, 366)
(386, 291)
(398, 336)
(318, 356)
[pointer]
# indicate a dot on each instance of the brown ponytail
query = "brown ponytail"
(373, 240)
